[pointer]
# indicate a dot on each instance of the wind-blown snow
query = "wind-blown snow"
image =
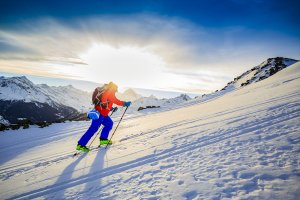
(243, 145)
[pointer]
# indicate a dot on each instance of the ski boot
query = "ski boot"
(82, 148)
(105, 141)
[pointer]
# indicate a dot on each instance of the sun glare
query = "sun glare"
(126, 65)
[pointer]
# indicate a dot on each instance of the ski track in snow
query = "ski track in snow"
(244, 145)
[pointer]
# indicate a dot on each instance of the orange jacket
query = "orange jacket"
(110, 98)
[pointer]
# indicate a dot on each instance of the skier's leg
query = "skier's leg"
(91, 131)
(108, 124)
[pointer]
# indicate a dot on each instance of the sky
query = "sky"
(181, 46)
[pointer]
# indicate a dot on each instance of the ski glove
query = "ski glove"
(127, 103)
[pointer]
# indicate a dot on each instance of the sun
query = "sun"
(127, 65)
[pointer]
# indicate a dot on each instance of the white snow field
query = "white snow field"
(243, 145)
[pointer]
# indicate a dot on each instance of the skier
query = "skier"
(100, 116)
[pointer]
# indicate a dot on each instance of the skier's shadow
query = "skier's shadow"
(93, 187)
(96, 166)
(65, 176)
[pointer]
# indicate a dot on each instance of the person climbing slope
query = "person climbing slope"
(103, 99)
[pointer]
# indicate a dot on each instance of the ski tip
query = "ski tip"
(75, 154)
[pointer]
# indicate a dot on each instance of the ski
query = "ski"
(77, 153)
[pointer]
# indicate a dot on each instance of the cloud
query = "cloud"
(204, 59)
(176, 40)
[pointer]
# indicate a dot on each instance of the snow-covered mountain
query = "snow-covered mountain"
(266, 69)
(22, 89)
(68, 96)
(129, 95)
(19, 97)
(145, 105)
(243, 145)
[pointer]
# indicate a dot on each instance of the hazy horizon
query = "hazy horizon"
(90, 86)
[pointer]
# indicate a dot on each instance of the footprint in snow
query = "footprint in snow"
(247, 175)
(170, 178)
(154, 164)
(166, 166)
(180, 182)
(190, 195)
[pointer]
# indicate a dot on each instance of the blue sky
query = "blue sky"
(185, 46)
(256, 14)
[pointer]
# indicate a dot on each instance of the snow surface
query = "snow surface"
(243, 145)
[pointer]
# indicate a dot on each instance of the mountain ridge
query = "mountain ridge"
(258, 73)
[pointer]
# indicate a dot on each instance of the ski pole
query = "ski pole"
(95, 137)
(117, 126)
(99, 131)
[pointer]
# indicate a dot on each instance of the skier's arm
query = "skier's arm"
(116, 101)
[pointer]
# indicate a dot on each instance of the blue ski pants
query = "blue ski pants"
(105, 121)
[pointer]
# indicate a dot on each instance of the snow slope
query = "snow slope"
(243, 145)
(265, 70)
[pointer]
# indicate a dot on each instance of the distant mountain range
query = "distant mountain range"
(20, 98)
